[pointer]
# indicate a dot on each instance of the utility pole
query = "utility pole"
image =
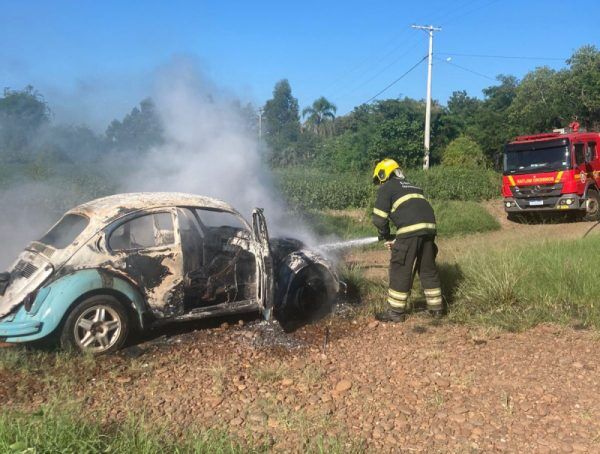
(429, 29)
(260, 113)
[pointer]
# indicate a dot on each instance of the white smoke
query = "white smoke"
(209, 150)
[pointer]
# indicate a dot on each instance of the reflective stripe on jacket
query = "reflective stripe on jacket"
(406, 206)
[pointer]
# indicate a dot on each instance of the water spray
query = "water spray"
(348, 244)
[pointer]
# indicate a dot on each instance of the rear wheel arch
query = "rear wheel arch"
(135, 313)
(89, 302)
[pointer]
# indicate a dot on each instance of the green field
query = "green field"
(454, 218)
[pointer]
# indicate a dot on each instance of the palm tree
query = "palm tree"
(319, 115)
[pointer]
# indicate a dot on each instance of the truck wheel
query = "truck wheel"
(592, 206)
(97, 325)
(520, 218)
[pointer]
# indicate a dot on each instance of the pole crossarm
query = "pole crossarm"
(429, 28)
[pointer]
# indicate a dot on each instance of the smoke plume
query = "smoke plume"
(207, 149)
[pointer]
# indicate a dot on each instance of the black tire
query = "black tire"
(520, 218)
(592, 212)
(98, 325)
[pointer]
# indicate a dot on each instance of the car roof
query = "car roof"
(114, 206)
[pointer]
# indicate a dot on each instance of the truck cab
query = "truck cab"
(553, 172)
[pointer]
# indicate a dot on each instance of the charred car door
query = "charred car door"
(219, 259)
(264, 263)
(146, 248)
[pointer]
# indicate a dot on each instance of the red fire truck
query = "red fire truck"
(558, 171)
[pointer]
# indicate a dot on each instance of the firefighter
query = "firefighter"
(413, 247)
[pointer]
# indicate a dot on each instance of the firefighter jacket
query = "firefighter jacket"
(406, 206)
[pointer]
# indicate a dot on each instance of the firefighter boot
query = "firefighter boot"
(391, 316)
(436, 313)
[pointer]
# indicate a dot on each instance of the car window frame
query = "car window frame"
(138, 214)
(235, 214)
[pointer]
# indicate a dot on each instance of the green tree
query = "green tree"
(282, 124)
(539, 102)
(320, 116)
(463, 152)
(584, 85)
(22, 115)
(491, 127)
(139, 130)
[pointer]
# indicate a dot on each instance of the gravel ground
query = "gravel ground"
(417, 386)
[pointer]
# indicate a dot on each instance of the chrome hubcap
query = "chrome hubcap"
(97, 328)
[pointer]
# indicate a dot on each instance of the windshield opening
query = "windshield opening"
(65, 231)
(540, 160)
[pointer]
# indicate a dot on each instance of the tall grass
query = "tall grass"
(519, 287)
(513, 288)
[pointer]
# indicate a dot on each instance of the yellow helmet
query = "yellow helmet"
(383, 170)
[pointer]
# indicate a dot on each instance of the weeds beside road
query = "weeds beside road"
(454, 218)
(513, 279)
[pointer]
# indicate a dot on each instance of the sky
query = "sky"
(94, 60)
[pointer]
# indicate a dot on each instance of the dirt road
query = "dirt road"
(408, 387)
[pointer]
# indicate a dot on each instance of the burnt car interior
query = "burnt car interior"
(143, 232)
(218, 266)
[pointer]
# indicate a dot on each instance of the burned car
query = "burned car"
(133, 261)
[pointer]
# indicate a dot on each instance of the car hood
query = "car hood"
(25, 276)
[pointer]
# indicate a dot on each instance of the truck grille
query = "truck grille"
(538, 190)
(25, 269)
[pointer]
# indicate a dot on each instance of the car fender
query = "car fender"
(295, 262)
(55, 299)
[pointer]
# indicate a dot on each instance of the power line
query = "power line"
(466, 69)
(460, 16)
(397, 80)
(379, 73)
(437, 18)
(366, 65)
(514, 57)
(365, 62)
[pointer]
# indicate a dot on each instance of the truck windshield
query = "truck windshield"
(540, 160)
(65, 231)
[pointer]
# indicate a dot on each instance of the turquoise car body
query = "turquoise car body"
(54, 300)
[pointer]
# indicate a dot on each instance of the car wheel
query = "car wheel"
(592, 206)
(97, 325)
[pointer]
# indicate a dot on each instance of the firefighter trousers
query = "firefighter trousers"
(409, 256)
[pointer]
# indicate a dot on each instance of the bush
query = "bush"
(463, 152)
(311, 188)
